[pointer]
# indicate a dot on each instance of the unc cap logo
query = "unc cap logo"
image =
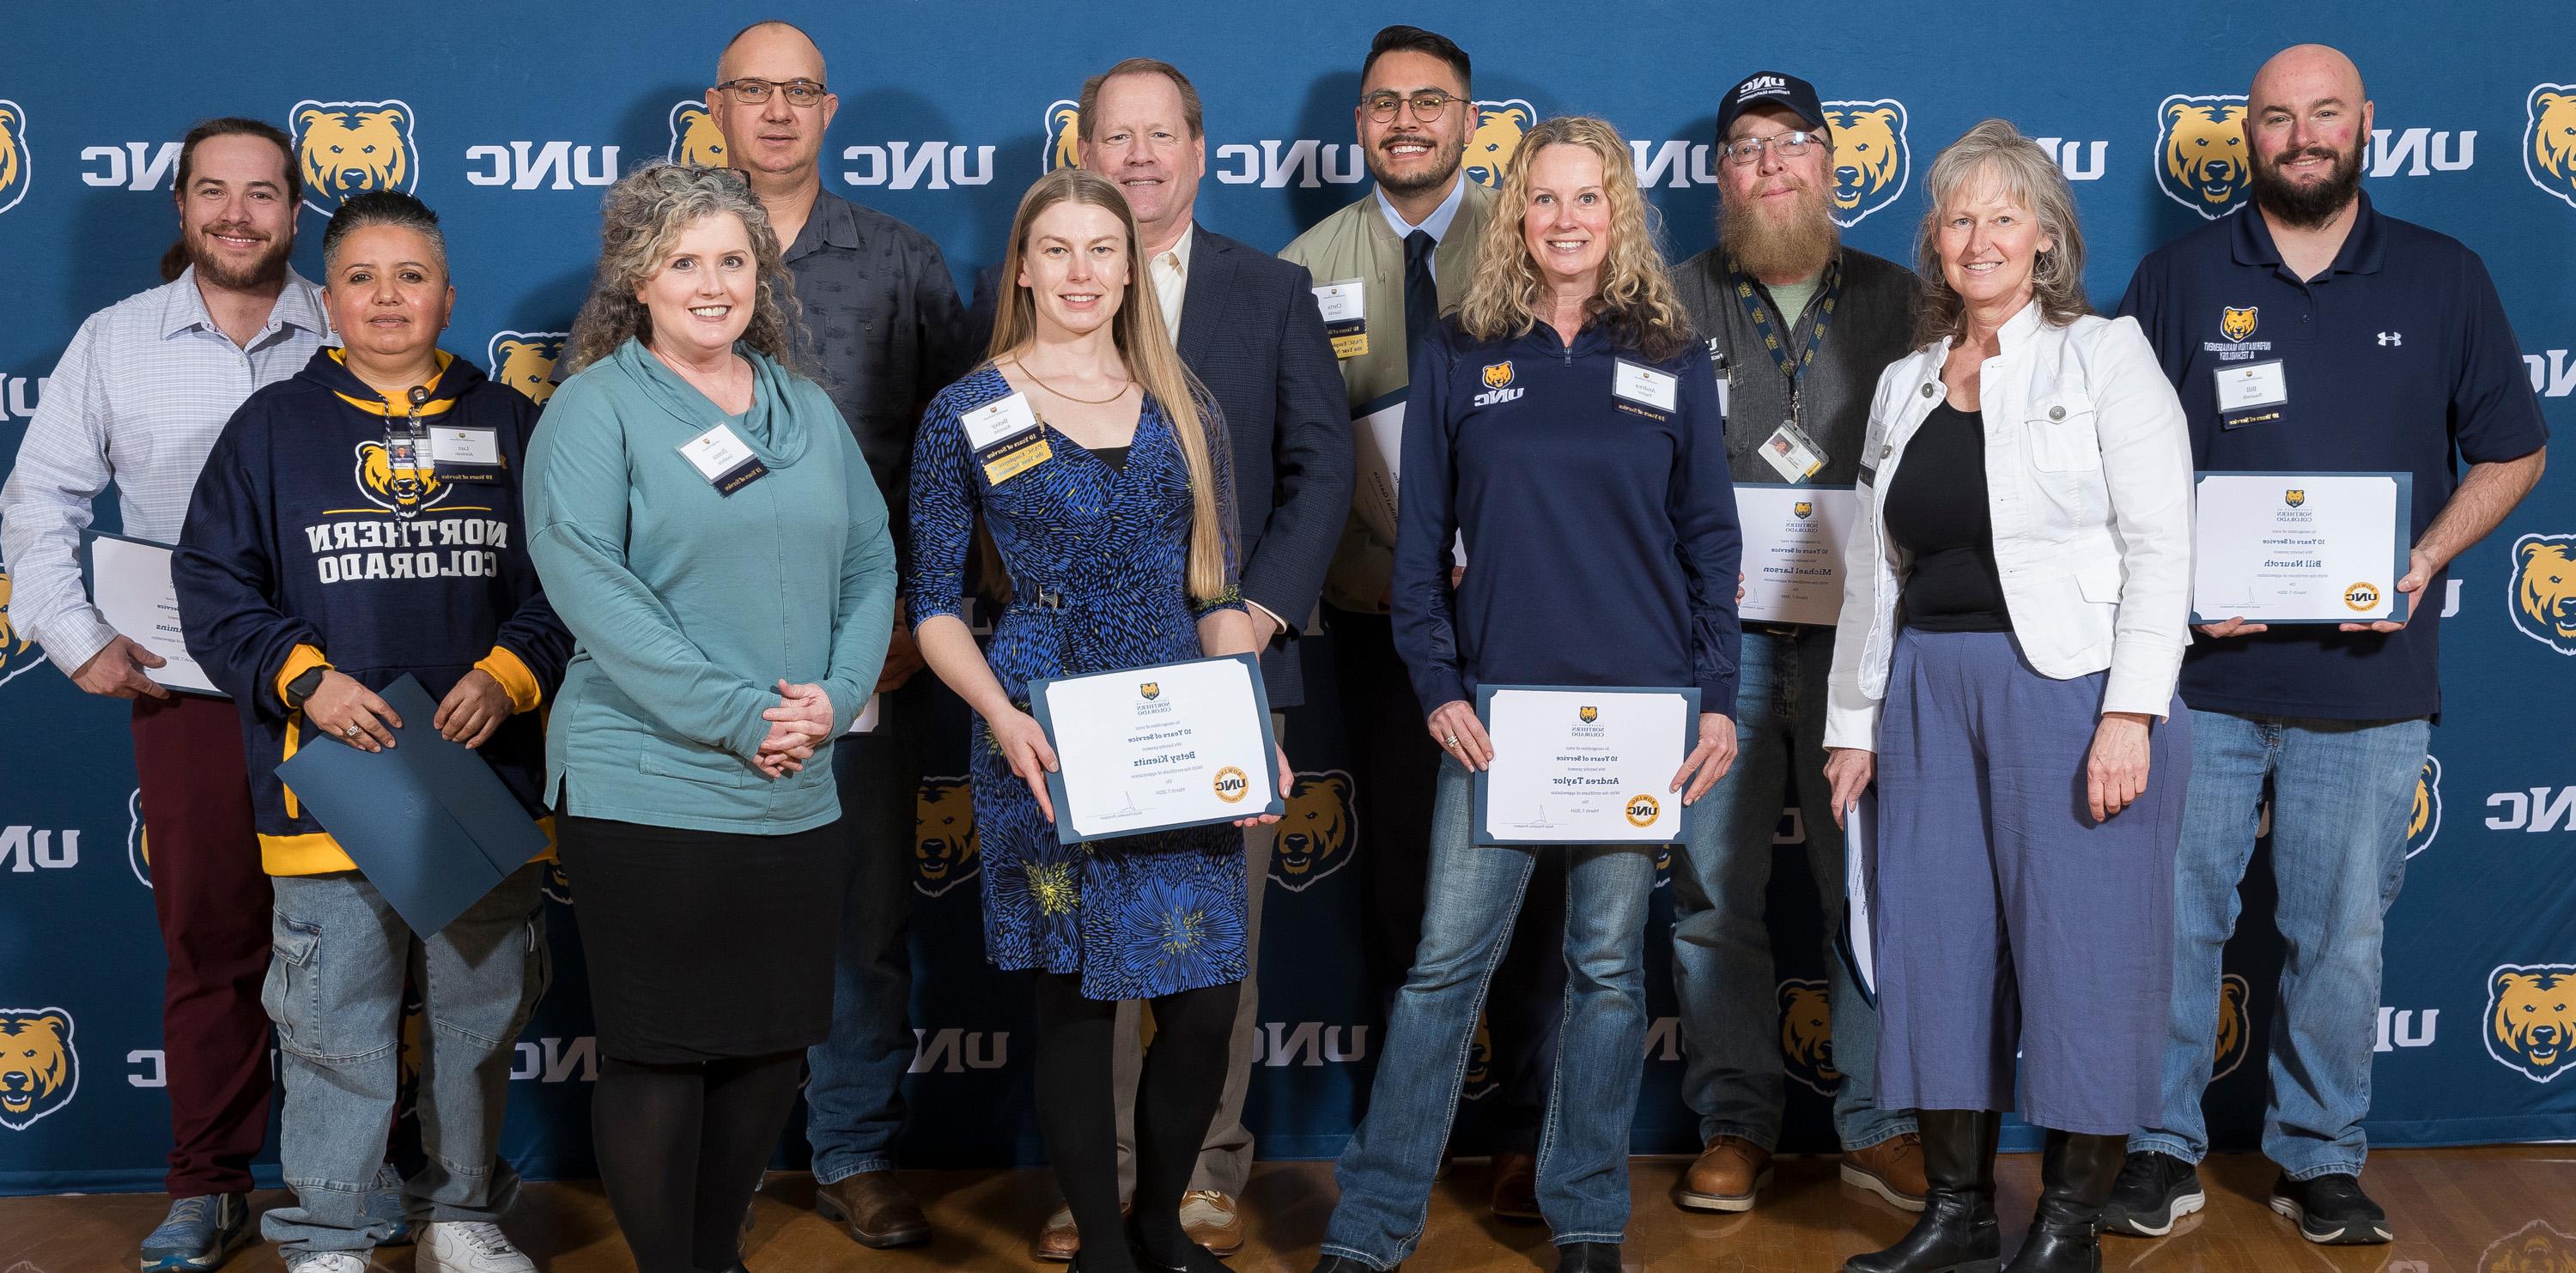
(1499, 128)
(1317, 832)
(39, 1066)
(13, 154)
(17, 651)
(2201, 159)
(1498, 374)
(403, 491)
(1807, 1036)
(525, 361)
(2537, 1247)
(2234, 1040)
(2548, 142)
(1063, 136)
(1871, 160)
(2424, 821)
(946, 850)
(2531, 1019)
(2544, 591)
(349, 148)
(695, 139)
(2237, 324)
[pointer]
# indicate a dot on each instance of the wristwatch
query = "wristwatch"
(302, 687)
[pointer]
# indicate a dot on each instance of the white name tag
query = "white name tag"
(1657, 389)
(1342, 301)
(1008, 417)
(2244, 386)
(464, 446)
(723, 459)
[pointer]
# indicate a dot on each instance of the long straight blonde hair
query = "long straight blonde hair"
(1145, 344)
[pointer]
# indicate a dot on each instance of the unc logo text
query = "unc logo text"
(136, 165)
(909, 165)
(532, 165)
(14, 160)
(20, 394)
(349, 148)
(2553, 374)
(27, 850)
(2201, 158)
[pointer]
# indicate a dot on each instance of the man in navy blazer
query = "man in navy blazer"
(1248, 325)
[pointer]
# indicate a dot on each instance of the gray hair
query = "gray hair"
(644, 214)
(2029, 177)
(381, 207)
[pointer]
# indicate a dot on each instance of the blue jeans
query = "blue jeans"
(2341, 794)
(1475, 892)
(1722, 972)
(335, 990)
(854, 1093)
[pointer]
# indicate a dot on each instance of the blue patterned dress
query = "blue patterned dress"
(1098, 558)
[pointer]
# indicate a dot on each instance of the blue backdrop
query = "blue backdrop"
(508, 124)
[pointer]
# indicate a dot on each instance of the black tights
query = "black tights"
(1184, 1076)
(681, 1147)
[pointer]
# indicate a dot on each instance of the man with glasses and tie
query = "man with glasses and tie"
(1385, 268)
(884, 329)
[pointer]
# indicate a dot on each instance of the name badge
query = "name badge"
(2251, 393)
(464, 446)
(723, 459)
(1725, 377)
(1645, 385)
(1791, 453)
(1005, 437)
(1345, 307)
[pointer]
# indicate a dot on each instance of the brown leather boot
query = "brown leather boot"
(1211, 1219)
(873, 1210)
(1726, 1177)
(1515, 1194)
(1892, 1169)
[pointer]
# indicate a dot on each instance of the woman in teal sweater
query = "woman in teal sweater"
(708, 530)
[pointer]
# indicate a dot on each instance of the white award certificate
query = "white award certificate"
(1793, 551)
(1377, 442)
(130, 585)
(1583, 765)
(1155, 748)
(2300, 547)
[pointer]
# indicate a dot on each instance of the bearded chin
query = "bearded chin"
(1795, 245)
(269, 268)
(2308, 206)
(1430, 180)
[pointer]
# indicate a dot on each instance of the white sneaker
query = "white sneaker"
(328, 1262)
(456, 1246)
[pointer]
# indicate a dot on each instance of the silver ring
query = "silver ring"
(351, 731)
(1453, 740)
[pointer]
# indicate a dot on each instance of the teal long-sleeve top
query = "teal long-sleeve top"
(688, 605)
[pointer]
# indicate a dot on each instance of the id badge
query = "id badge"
(1345, 307)
(1791, 453)
(723, 459)
(1725, 378)
(1006, 438)
(2251, 393)
(1645, 386)
(459, 453)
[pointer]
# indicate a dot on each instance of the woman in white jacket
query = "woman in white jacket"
(2014, 613)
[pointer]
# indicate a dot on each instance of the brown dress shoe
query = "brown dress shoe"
(1892, 1169)
(1059, 1239)
(1210, 1218)
(1729, 1172)
(873, 1210)
(1516, 1187)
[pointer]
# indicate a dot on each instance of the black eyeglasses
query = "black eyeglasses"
(753, 92)
(1426, 105)
(1749, 149)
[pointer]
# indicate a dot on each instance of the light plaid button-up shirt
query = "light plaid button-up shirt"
(138, 399)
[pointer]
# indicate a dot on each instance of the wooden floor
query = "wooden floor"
(2494, 1210)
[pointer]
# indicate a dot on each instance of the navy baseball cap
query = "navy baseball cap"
(1771, 88)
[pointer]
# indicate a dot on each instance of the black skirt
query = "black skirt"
(706, 944)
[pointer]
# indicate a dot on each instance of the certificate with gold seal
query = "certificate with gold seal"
(2300, 547)
(1583, 764)
(1158, 748)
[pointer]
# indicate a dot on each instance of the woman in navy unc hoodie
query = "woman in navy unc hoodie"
(355, 523)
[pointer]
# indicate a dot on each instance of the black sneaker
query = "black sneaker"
(2154, 1190)
(2331, 1210)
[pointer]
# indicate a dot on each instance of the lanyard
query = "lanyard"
(410, 450)
(1794, 368)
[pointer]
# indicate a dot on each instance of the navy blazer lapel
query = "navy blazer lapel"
(1201, 306)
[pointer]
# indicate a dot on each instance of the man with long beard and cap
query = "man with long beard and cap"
(1799, 326)
(1389, 265)
(2388, 351)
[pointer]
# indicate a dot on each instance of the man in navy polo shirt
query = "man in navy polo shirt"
(2397, 357)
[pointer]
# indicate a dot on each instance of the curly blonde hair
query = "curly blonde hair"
(643, 216)
(1635, 301)
(1995, 150)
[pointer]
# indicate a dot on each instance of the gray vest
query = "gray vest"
(1873, 326)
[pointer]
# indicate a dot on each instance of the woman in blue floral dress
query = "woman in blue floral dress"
(1118, 540)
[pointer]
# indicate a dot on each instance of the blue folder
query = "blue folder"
(427, 822)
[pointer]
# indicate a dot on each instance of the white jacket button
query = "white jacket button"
(2057, 413)
(1927, 390)
(1885, 451)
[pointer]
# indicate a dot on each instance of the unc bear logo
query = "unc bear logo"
(2424, 821)
(525, 361)
(2548, 147)
(1478, 1082)
(13, 154)
(406, 491)
(39, 1067)
(2238, 324)
(2531, 1018)
(1151, 690)
(2232, 1034)
(1807, 1036)
(1870, 157)
(2537, 1247)
(1315, 834)
(2294, 497)
(1499, 126)
(349, 148)
(1498, 374)
(138, 838)
(695, 139)
(2201, 159)
(945, 850)
(2544, 590)
(17, 652)
(1063, 136)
